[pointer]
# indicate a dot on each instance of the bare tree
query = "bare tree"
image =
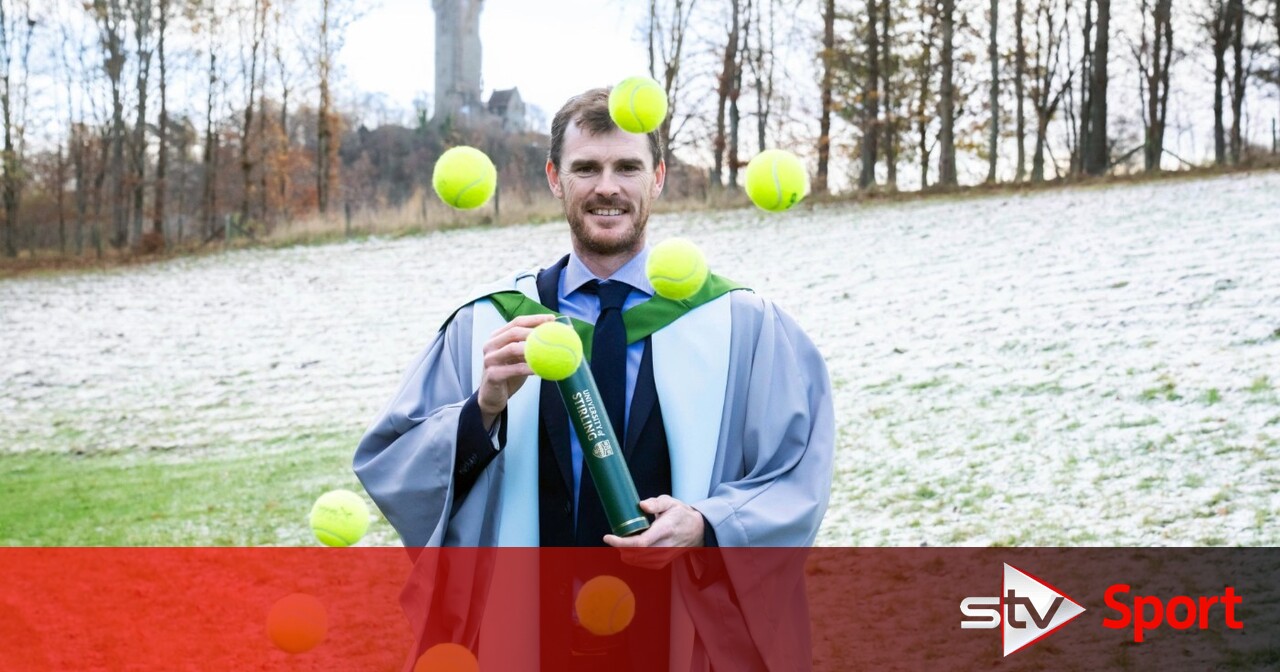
(1218, 25)
(16, 26)
(828, 68)
(1239, 76)
(1154, 55)
(871, 99)
(735, 91)
(1046, 93)
(724, 88)
(111, 18)
(1097, 160)
(993, 55)
(947, 102)
(923, 72)
(162, 154)
(887, 69)
(327, 124)
(668, 26)
(761, 62)
(252, 83)
(211, 144)
(1086, 78)
(141, 10)
(286, 86)
(1275, 17)
(1019, 87)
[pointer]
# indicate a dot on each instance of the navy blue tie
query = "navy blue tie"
(609, 367)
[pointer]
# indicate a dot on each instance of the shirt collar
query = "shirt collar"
(576, 273)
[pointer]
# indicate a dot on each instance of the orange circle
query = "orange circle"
(447, 658)
(297, 623)
(605, 605)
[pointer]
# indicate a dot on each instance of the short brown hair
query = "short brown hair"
(589, 110)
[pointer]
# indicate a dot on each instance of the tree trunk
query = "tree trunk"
(1156, 78)
(734, 114)
(763, 74)
(947, 110)
(324, 132)
(1086, 77)
(1019, 90)
(10, 157)
(1044, 99)
(1097, 161)
(1220, 36)
(142, 37)
(162, 156)
(929, 17)
(728, 64)
(993, 54)
(890, 116)
(246, 155)
(80, 140)
(671, 50)
(871, 100)
(210, 200)
(111, 14)
(285, 137)
(824, 123)
(1235, 8)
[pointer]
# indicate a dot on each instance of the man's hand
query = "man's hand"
(678, 526)
(504, 367)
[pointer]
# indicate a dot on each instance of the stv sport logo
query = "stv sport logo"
(1028, 608)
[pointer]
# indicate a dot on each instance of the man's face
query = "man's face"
(607, 183)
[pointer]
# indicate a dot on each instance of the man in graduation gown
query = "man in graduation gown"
(726, 424)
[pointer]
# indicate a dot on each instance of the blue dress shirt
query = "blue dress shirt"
(586, 307)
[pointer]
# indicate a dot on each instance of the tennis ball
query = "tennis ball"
(464, 178)
(297, 623)
(605, 605)
(447, 658)
(339, 518)
(638, 105)
(553, 350)
(776, 180)
(676, 269)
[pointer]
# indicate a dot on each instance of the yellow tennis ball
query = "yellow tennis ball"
(638, 105)
(464, 177)
(776, 180)
(605, 605)
(447, 657)
(297, 623)
(676, 269)
(339, 518)
(553, 350)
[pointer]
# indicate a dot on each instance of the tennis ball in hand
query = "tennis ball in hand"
(553, 350)
(605, 605)
(638, 105)
(776, 180)
(464, 178)
(339, 518)
(676, 269)
(297, 623)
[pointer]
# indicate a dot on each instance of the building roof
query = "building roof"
(499, 101)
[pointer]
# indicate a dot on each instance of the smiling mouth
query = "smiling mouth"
(606, 212)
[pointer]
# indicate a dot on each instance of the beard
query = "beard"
(601, 242)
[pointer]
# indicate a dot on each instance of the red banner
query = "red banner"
(525, 609)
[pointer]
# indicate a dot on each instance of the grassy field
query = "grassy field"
(1085, 366)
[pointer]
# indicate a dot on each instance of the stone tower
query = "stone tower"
(457, 58)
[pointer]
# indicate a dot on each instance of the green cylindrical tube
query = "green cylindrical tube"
(602, 452)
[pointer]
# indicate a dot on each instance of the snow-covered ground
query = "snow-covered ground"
(1082, 366)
